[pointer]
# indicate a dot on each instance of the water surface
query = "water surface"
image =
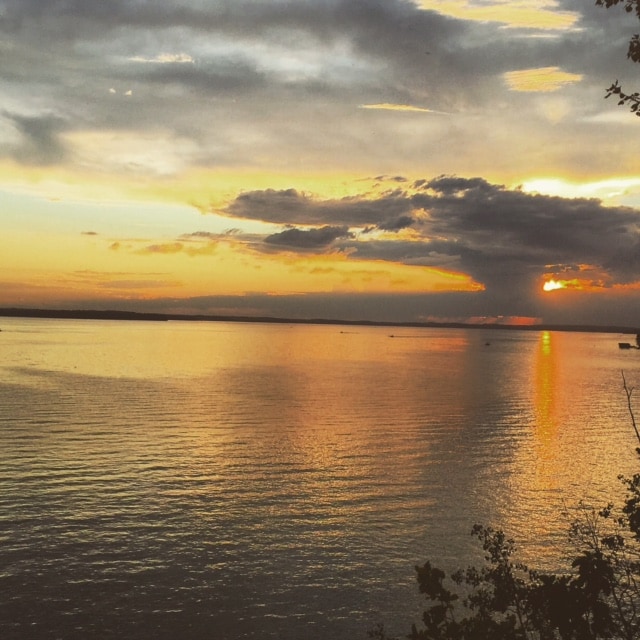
(229, 480)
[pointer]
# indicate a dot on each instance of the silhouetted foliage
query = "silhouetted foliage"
(597, 597)
(632, 100)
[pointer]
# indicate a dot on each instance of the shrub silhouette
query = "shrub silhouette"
(597, 598)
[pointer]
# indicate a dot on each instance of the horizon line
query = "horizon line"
(115, 314)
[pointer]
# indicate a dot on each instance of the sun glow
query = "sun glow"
(552, 285)
(617, 190)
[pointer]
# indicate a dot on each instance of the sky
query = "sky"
(383, 160)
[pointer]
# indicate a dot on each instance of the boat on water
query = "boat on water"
(628, 345)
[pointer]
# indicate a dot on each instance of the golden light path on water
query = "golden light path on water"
(580, 439)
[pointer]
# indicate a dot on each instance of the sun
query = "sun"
(552, 285)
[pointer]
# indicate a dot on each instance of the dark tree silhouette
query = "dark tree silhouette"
(632, 100)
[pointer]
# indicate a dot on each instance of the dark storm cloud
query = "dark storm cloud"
(492, 215)
(504, 234)
(305, 239)
(504, 238)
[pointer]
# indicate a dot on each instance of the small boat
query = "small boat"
(625, 345)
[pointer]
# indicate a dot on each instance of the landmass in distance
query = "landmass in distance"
(89, 314)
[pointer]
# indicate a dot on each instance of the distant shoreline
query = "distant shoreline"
(89, 314)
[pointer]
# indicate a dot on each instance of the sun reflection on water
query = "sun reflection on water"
(546, 405)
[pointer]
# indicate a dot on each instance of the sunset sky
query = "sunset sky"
(358, 159)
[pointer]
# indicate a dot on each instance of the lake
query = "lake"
(164, 480)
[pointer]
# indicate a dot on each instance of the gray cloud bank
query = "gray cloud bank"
(254, 82)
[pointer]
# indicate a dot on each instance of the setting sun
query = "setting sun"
(552, 285)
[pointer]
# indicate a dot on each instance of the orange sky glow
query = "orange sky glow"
(432, 170)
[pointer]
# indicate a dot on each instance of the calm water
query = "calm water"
(225, 481)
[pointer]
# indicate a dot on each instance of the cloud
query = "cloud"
(40, 142)
(165, 58)
(200, 235)
(164, 248)
(289, 206)
(305, 239)
(399, 107)
(543, 79)
(507, 235)
(125, 151)
(255, 74)
(402, 222)
(506, 239)
(182, 246)
(230, 75)
(526, 14)
(391, 179)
